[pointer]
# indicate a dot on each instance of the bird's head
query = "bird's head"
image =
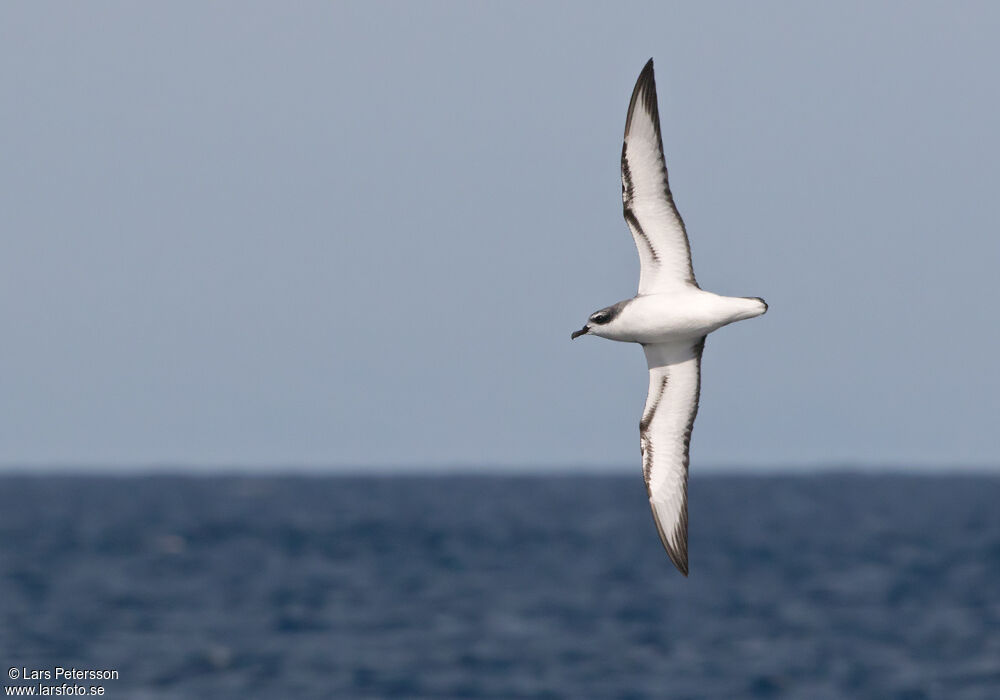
(601, 322)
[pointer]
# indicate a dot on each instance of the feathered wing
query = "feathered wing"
(664, 252)
(664, 437)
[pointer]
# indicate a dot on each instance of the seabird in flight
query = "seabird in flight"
(670, 317)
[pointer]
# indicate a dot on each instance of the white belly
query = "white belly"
(660, 318)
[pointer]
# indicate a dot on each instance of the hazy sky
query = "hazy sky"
(356, 234)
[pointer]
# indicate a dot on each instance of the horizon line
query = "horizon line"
(166, 468)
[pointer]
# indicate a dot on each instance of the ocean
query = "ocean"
(828, 586)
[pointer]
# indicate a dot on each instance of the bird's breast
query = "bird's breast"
(664, 318)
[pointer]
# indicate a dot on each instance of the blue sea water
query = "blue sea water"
(833, 586)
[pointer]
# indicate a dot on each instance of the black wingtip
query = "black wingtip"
(678, 555)
(679, 559)
(646, 76)
(645, 85)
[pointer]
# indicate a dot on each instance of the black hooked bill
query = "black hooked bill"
(582, 331)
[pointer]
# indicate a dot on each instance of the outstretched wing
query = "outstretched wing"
(664, 253)
(664, 436)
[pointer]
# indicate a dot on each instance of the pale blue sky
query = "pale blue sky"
(359, 234)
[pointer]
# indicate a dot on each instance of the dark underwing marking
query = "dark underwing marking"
(633, 222)
(699, 348)
(628, 189)
(648, 417)
(645, 442)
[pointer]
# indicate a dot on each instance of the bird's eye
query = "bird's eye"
(599, 318)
